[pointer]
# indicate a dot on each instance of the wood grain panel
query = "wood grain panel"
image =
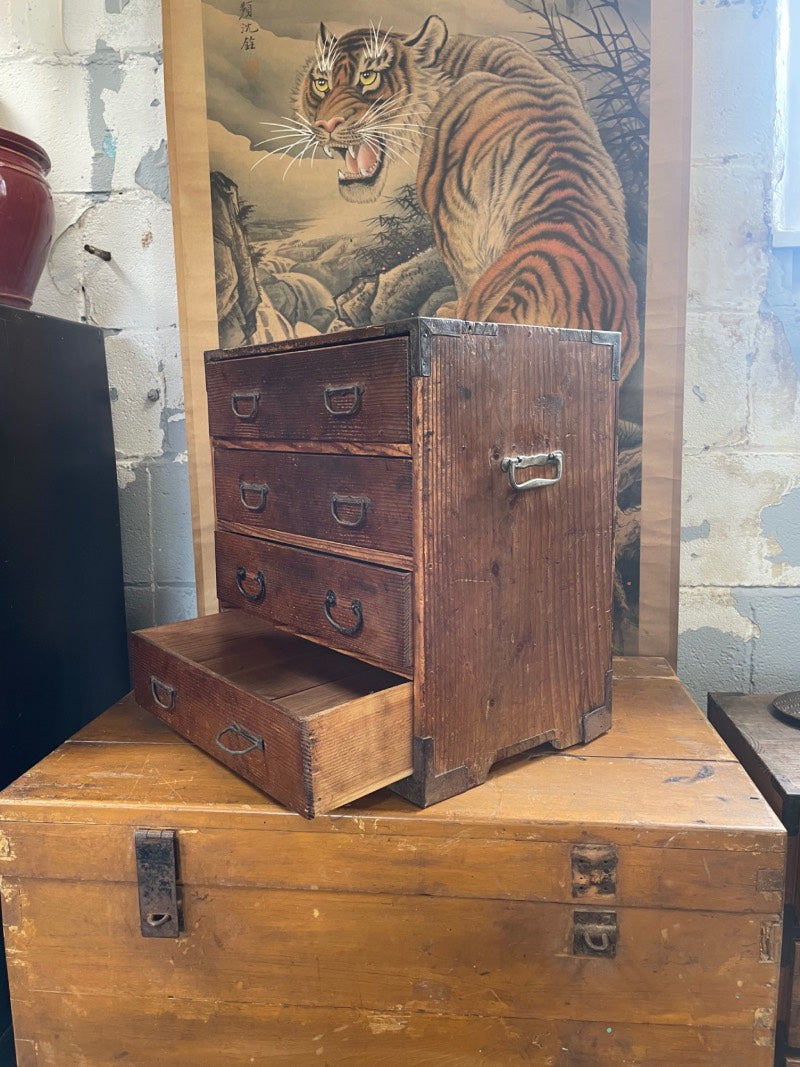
(400, 864)
(519, 582)
(310, 727)
(290, 396)
(293, 589)
(661, 803)
(194, 1032)
(382, 953)
(354, 501)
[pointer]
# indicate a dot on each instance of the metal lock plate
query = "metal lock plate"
(157, 874)
(594, 871)
(594, 933)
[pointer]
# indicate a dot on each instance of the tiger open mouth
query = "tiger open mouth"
(362, 162)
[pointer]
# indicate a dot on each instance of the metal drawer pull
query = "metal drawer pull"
(242, 576)
(251, 398)
(511, 464)
(251, 488)
(156, 687)
(253, 740)
(355, 607)
(362, 502)
(356, 391)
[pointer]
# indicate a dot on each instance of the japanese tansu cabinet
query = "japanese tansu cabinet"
(429, 503)
(619, 908)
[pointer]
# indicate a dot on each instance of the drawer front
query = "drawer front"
(311, 728)
(362, 501)
(254, 739)
(358, 608)
(355, 393)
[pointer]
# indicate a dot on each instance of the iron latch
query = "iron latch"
(157, 874)
(594, 933)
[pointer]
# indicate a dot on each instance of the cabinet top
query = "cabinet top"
(420, 330)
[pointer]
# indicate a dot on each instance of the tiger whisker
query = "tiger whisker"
(283, 150)
(296, 159)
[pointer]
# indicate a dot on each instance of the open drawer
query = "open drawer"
(311, 727)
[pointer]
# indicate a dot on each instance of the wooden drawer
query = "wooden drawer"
(357, 393)
(359, 608)
(357, 501)
(312, 728)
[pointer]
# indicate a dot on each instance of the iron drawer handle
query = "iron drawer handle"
(156, 687)
(253, 399)
(355, 607)
(362, 502)
(253, 740)
(258, 577)
(511, 464)
(356, 391)
(250, 487)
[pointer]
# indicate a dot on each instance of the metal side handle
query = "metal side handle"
(511, 464)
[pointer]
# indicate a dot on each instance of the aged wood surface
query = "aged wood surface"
(492, 958)
(356, 392)
(236, 1033)
(688, 799)
(355, 501)
(518, 582)
(312, 728)
(290, 587)
(386, 933)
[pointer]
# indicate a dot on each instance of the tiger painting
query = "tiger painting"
(526, 206)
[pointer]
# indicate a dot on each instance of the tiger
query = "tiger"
(526, 205)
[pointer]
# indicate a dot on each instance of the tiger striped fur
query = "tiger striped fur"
(526, 205)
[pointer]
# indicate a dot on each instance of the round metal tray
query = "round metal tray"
(788, 704)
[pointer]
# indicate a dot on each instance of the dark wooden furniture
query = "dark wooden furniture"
(433, 499)
(616, 905)
(768, 747)
(63, 640)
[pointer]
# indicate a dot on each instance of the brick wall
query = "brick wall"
(740, 561)
(84, 78)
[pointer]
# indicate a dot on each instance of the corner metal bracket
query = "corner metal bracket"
(597, 721)
(421, 330)
(598, 337)
(157, 875)
(424, 787)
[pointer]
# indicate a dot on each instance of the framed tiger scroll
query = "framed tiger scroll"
(348, 165)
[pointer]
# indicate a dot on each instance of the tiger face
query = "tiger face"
(365, 97)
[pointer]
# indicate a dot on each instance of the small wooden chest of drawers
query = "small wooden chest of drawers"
(768, 747)
(431, 503)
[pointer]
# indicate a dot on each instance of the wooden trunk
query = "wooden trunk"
(616, 905)
(433, 498)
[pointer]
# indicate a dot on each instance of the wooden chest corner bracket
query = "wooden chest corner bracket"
(157, 877)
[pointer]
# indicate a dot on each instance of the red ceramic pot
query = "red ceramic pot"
(26, 217)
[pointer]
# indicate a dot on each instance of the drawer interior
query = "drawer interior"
(311, 727)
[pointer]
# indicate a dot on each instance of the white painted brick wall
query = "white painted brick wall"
(84, 78)
(739, 602)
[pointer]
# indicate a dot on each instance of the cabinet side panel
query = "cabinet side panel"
(518, 583)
